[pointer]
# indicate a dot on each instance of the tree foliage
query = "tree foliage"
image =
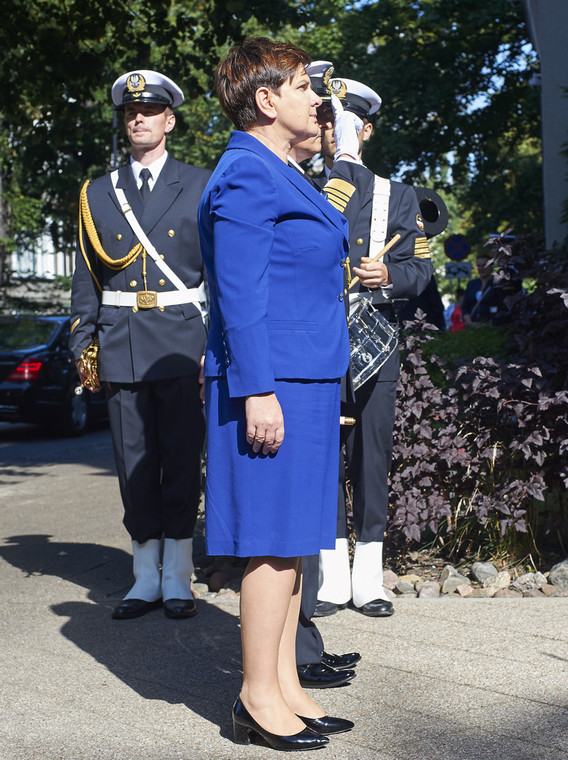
(458, 113)
(457, 110)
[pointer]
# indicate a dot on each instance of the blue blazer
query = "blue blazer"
(275, 253)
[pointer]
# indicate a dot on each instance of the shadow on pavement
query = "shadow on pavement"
(194, 662)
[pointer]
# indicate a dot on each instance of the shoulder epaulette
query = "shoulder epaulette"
(338, 192)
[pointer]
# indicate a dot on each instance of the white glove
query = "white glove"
(346, 130)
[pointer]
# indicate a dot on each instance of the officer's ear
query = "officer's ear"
(170, 120)
(367, 130)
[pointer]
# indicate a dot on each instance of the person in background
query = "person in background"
(277, 347)
(477, 291)
(456, 316)
(403, 272)
(146, 309)
(429, 301)
(316, 667)
(487, 298)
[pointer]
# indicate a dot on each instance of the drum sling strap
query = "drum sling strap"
(379, 220)
(380, 215)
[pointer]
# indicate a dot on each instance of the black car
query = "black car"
(38, 379)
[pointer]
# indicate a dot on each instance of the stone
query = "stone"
(558, 575)
(481, 571)
(533, 592)
(234, 582)
(447, 571)
(528, 581)
(403, 587)
(428, 590)
(464, 589)
(479, 593)
(411, 578)
(218, 580)
(390, 579)
(548, 589)
(227, 593)
(452, 582)
(391, 595)
(497, 582)
(199, 589)
(506, 593)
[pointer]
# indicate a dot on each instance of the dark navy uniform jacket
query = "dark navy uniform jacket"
(147, 344)
(350, 189)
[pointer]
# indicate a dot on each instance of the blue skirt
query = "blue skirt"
(283, 505)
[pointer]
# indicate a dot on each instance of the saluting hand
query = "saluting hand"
(265, 423)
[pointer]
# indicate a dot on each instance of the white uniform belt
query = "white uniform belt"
(150, 299)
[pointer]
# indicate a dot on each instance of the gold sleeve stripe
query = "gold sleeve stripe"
(421, 250)
(339, 192)
(421, 247)
(75, 324)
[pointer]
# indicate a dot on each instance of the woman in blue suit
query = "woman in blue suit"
(275, 252)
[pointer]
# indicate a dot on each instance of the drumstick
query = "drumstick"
(379, 255)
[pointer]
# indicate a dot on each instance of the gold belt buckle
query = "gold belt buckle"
(146, 299)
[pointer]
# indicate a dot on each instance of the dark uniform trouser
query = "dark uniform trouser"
(309, 643)
(158, 429)
(368, 446)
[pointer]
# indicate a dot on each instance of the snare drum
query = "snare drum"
(372, 339)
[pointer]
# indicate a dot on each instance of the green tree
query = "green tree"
(458, 113)
(58, 59)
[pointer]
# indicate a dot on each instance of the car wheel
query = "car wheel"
(76, 413)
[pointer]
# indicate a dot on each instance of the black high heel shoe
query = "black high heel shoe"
(327, 724)
(245, 729)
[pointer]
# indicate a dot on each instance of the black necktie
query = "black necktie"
(146, 175)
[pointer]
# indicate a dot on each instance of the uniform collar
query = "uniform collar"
(155, 168)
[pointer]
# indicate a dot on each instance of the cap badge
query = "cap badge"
(135, 84)
(338, 87)
(326, 78)
(420, 222)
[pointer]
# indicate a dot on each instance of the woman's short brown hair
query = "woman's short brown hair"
(255, 62)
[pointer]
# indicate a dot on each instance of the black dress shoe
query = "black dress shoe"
(340, 661)
(133, 608)
(246, 729)
(328, 725)
(321, 676)
(180, 608)
(377, 608)
(323, 609)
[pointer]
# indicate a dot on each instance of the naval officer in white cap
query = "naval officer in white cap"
(138, 293)
(404, 272)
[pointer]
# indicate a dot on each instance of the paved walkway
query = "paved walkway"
(448, 679)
